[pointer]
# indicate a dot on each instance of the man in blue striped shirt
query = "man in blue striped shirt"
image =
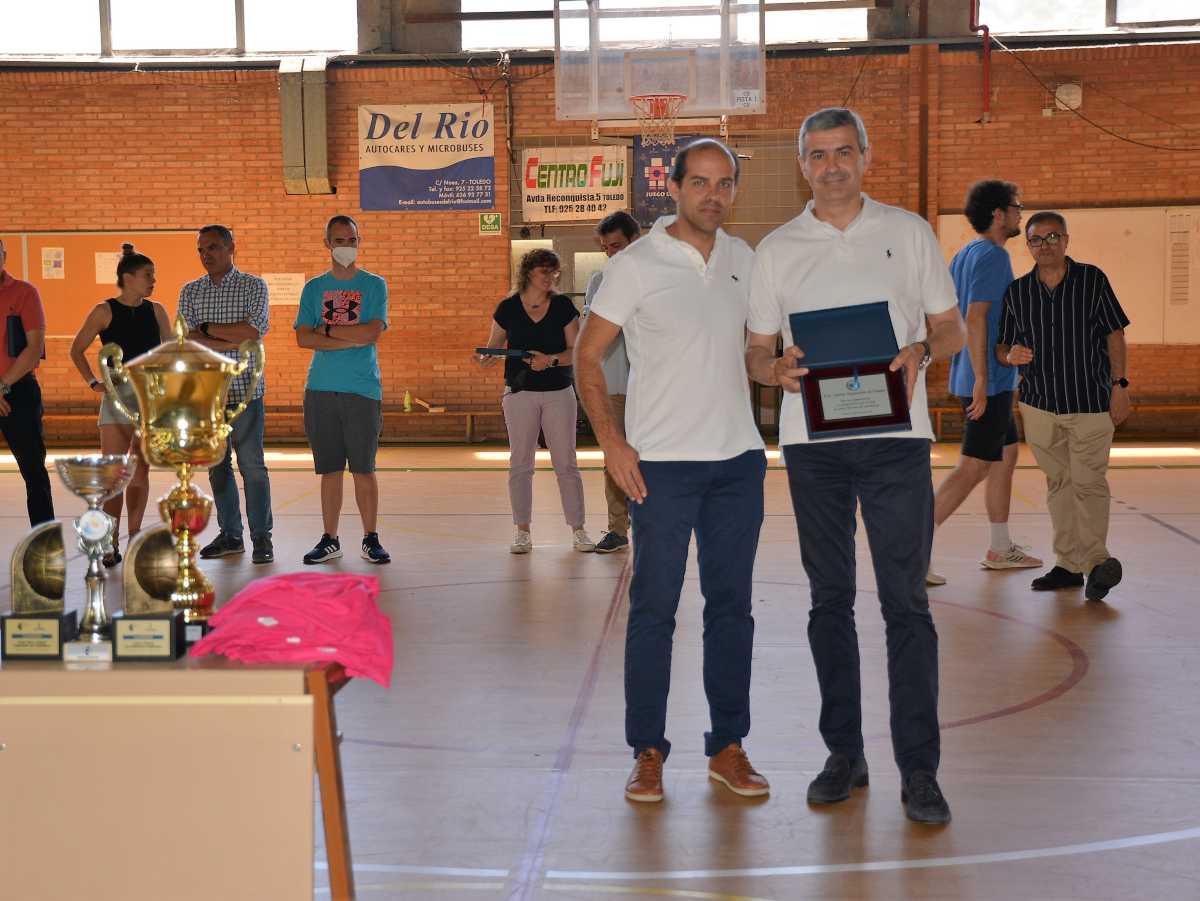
(1062, 325)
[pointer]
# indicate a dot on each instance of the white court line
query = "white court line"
(420, 871)
(874, 866)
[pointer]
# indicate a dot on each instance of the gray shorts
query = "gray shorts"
(342, 427)
(110, 415)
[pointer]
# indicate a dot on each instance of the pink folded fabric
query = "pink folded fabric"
(305, 618)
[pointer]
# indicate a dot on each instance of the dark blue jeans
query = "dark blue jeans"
(722, 501)
(247, 440)
(891, 479)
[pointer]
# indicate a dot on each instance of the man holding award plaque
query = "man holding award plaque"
(864, 301)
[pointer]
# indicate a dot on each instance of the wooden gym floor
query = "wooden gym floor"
(494, 766)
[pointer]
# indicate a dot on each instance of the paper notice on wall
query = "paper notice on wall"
(106, 268)
(283, 288)
(54, 263)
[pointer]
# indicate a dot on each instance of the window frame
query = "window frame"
(1110, 19)
(106, 46)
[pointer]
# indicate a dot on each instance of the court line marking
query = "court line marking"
(1170, 528)
(645, 890)
(413, 870)
(875, 866)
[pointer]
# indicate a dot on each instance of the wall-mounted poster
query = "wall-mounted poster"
(427, 157)
(651, 168)
(559, 184)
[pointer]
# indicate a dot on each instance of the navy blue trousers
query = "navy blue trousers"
(891, 479)
(722, 501)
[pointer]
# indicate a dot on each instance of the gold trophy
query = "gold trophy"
(39, 623)
(183, 423)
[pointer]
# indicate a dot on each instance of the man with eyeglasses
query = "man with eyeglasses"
(982, 272)
(1063, 326)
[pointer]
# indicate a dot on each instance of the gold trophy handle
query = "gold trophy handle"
(248, 351)
(113, 372)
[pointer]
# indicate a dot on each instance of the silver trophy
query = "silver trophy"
(95, 478)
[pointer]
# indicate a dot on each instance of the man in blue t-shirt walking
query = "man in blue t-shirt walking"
(342, 314)
(982, 272)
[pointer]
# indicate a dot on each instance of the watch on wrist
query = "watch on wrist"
(554, 361)
(1122, 382)
(204, 329)
(927, 354)
(5, 388)
(93, 383)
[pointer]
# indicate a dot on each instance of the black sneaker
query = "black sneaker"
(1057, 579)
(264, 550)
(835, 781)
(1103, 577)
(611, 543)
(372, 550)
(327, 549)
(923, 800)
(222, 546)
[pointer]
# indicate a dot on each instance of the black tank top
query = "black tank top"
(135, 329)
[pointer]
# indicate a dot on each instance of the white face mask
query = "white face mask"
(345, 256)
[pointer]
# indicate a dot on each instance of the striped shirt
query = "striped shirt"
(239, 298)
(1067, 329)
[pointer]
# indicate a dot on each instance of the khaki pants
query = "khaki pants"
(1072, 450)
(618, 503)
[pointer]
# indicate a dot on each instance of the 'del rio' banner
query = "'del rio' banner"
(562, 183)
(427, 157)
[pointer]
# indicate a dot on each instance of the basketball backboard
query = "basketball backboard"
(606, 51)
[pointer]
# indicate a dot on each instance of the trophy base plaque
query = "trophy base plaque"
(88, 651)
(195, 630)
(37, 636)
(148, 637)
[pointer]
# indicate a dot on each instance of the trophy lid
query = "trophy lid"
(181, 355)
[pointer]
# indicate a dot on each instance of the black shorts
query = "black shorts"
(986, 437)
(342, 427)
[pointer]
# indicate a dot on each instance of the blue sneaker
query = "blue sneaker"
(328, 548)
(372, 550)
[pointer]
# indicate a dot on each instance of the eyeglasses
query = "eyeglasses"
(1053, 238)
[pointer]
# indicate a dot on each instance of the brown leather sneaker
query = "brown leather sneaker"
(645, 782)
(732, 767)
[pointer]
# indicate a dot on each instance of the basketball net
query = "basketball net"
(656, 114)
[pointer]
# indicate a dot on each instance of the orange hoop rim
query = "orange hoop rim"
(656, 115)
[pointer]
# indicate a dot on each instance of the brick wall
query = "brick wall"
(94, 150)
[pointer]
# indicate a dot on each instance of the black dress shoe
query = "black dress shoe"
(1058, 578)
(923, 800)
(1103, 577)
(835, 781)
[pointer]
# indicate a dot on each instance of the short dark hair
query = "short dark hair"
(619, 221)
(339, 220)
(1046, 216)
(984, 198)
(679, 169)
(221, 231)
(536, 259)
(130, 262)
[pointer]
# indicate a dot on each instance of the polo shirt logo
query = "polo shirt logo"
(889, 253)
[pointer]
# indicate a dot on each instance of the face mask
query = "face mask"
(345, 256)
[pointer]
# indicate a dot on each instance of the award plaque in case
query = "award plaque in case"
(849, 390)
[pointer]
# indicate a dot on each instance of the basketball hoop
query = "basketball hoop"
(656, 114)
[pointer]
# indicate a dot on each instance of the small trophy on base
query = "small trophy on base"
(95, 478)
(38, 625)
(150, 628)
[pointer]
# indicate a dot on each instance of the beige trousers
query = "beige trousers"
(618, 503)
(1072, 450)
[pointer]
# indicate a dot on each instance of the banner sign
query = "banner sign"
(427, 157)
(651, 168)
(563, 183)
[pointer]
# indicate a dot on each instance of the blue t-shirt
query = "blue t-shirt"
(326, 299)
(982, 272)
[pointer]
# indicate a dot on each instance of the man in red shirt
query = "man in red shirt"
(22, 339)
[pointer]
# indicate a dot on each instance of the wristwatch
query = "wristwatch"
(93, 383)
(5, 388)
(554, 361)
(1123, 382)
(204, 329)
(928, 354)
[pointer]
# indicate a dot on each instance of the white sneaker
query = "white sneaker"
(1014, 558)
(522, 543)
(582, 542)
(933, 579)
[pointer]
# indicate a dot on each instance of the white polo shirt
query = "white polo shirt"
(684, 322)
(886, 253)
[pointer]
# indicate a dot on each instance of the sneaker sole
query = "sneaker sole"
(585, 548)
(519, 550)
(261, 560)
(204, 556)
(643, 798)
(324, 559)
(861, 782)
(611, 550)
(934, 583)
(744, 792)
(993, 564)
(1101, 587)
(369, 559)
(926, 821)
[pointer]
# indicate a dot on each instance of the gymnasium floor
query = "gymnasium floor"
(494, 766)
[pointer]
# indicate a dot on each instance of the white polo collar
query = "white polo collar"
(660, 234)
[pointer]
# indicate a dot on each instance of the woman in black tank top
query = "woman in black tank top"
(137, 324)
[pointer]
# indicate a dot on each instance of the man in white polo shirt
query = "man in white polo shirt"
(846, 249)
(693, 459)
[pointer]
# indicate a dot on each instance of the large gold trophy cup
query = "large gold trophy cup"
(183, 424)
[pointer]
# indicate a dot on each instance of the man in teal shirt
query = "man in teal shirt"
(342, 314)
(982, 272)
